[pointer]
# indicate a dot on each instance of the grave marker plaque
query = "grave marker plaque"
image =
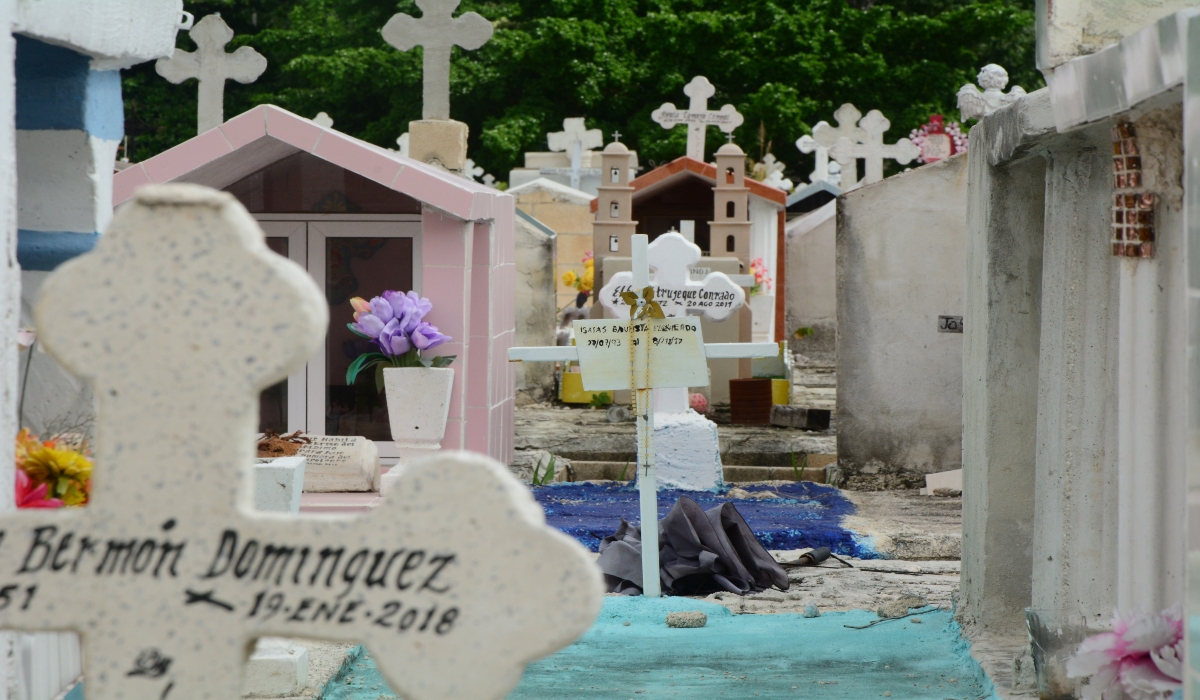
(340, 463)
(168, 574)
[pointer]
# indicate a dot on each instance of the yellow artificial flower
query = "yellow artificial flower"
(570, 279)
(67, 471)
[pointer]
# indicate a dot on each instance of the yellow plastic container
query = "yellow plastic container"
(571, 389)
(781, 392)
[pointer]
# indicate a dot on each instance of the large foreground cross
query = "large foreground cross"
(666, 353)
(212, 66)
(168, 573)
(698, 116)
(438, 32)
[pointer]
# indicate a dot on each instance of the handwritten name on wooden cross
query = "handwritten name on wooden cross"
(672, 256)
(667, 353)
(698, 116)
(178, 318)
(575, 138)
(212, 66)
(871, 149)
(438, 32)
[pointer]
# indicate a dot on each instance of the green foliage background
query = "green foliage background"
(785, 64)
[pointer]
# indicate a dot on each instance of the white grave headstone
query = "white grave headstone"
(437, 31)
(169, 574)
(872, 150)
(212, 66)
(340, 463)
(575, 138)
(671, 257)
(974, 103)
(698, 116)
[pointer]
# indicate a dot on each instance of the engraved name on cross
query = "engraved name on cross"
(673, 358)
(871, 149)
(575, 138)
(168, 573)
(698, 116)
(212, 66)
(437, 31)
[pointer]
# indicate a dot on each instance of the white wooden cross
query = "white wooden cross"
(698, 116)
(574, 138)
(169, 574)
(674, 358)
(873, 150)
(437, 31)
(827, 137)
(212, 66)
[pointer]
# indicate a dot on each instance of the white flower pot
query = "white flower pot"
(418, 400)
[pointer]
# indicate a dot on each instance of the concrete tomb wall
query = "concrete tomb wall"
(567, 212)
(899, 267)
(811, 258)
(535, 306)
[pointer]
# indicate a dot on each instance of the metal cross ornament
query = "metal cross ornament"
(169, 575)
(438, 32)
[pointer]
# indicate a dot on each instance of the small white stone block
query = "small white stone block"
(442, 142)
(278, 484)
(278, 668)
(942, 480)
(337, 463)
(687, 451)
(687, 619)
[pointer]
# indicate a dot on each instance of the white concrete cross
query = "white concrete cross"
(169, 574)
(826, 136)
(323, 119)
(672, 369)
(808, 144)
(773, 170)
(873, 150)
(437, 31)
(212, 66)
(471, 171)
(671, 257)
(698, 116)
(402, 144)
(574, 138)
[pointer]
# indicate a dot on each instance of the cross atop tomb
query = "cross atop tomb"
(641, 353)
(698, 116)
(575, 138)
(169, 574)
(873, 150)
(438, 32)
(212, 67)
(671, 257)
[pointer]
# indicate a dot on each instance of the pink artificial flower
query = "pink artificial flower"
(28, 497)
(1141, 657)
(698, 403)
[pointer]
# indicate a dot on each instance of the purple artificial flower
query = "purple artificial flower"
(414, 311)
(383, 309)
(369, 324)
(392, 340)
(426, 336)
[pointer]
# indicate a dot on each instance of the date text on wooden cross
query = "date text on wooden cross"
(178, 318)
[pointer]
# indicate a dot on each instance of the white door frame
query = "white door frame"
(306, 247)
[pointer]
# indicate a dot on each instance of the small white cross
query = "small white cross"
(647, 485)
(168, 574)
(489, 180)
(323, 119)
(873, 150)
(698, 117)
(976, 104)
(773, 173)
(574, 138)
(438, 32)
(826, 136)
(470, 170)
(402, 143)
(808, 144)
(212, 66)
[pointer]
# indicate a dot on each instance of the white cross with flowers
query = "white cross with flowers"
(169, 575)
(667, 352)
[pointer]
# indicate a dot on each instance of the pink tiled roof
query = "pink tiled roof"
(251, 141)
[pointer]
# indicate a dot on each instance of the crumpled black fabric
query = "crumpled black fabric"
(699, 553)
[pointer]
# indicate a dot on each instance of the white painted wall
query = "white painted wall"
(811, 259)
(900, 253)
(764, 243)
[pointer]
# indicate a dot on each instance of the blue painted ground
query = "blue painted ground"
(736, 656)
(809, 515)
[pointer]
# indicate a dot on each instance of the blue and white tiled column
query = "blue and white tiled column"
(70, 121)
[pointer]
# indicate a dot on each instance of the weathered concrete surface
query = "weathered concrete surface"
(811, 290)
(536, 307)
(900, 252)
(1070, 28)
(907, 525)
(585, 434)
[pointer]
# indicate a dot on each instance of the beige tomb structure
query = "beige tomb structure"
(731, 218)
(436, 138)
(568, 213)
